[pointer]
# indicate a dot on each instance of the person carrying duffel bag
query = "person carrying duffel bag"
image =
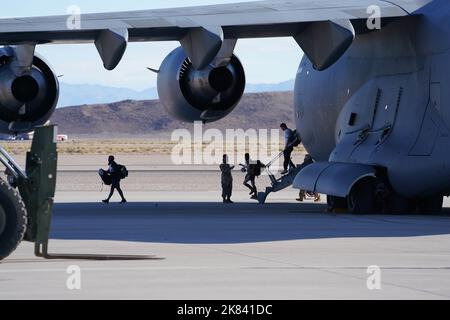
(112, 177)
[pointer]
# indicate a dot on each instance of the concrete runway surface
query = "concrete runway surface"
(207, 250)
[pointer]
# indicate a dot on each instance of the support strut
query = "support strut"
(38, 187)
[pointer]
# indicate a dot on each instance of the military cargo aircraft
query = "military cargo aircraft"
(372, 98)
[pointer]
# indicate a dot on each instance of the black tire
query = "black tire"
(400, 205)
(336, 203)
(13, 219)
(430, 205)
(361, 199)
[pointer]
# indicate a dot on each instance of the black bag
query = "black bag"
(294, 139)
(254, 169)
(105, 176)
(123, 172)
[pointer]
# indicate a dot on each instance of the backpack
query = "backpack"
(123, 172)
(294, 139)
(254, 169)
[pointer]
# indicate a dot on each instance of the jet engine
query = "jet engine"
(204, 95)
(28, 94)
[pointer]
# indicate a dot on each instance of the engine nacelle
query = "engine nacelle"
(27, 100)
(204, 95)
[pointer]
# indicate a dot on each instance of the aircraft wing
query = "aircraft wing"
(111, 31)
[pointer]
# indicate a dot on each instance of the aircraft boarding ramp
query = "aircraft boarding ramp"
(281, 183)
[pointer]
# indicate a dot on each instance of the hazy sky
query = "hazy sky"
(265, 60)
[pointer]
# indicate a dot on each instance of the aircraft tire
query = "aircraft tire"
(430, 205)
(13, 219)
(336, 203)
(361, 199)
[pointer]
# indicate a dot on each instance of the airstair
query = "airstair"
(285, 181)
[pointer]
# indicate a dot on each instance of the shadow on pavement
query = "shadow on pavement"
(212, 223)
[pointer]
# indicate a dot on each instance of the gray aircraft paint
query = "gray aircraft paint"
(395, 82)
(383, 104)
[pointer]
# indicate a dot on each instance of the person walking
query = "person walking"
(252, 169)
(114, 170)
(289, 137)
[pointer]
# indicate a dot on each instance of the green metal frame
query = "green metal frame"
(38, 187)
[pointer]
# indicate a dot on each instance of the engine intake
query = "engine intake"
(204, 95)
(27, 100)
(25, 89)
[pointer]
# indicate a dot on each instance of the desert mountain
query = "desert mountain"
(148, 117)
(79, 94)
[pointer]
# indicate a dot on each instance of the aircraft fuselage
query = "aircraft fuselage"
(385, 103)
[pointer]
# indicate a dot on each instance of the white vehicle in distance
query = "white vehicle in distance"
(62, 138)
(59, 137)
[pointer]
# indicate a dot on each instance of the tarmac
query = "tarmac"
(199, 248)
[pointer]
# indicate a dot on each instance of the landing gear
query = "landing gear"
(373, 196)
(361, 199)
(13, 219)
(337, 204)
(430, 205)
(397, 204)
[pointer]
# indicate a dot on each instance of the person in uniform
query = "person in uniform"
(227, 180)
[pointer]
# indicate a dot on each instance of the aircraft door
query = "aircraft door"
(383, 118)
(367, 120)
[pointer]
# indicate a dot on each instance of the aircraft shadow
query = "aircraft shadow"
(212, 223)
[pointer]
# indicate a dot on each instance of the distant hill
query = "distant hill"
(139, 118)
(260, 88)
(79, 94)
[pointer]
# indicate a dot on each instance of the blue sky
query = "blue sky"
(265, 60)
